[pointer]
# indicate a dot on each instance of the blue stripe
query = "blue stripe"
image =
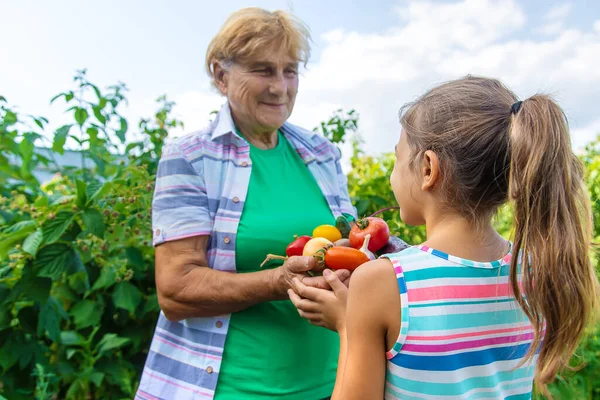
(461, 360)
(463, 303)
(191, 334)
(439, 272)
(524, 396)
(175, 166)
(459, 388)
(468, 320)
(172, 202)
(183, 372)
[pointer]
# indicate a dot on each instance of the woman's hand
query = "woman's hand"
(322, 307)
(296, 268)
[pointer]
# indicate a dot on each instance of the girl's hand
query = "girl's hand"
(321, 307)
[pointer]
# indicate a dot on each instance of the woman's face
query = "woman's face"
(262, 91)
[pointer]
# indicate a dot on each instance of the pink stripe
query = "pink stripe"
(226, 219)
(178, 385)
(220, 253)
(147, 396)
(466, 345)
(196, 353)
(460, 292)
(470, 334)
(181, 187)
(398, 270)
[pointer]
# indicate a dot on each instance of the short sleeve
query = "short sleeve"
(180, 206)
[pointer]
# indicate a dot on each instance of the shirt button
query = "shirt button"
(209, 370)
(236, 199)
(227, 240)
(157, 232)
(244, 163)
(219, 324)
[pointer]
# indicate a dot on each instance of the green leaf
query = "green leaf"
(121, 132)
(26, 150)
(79, 281)
(32, 243)
(60, 137)
(8, 243)
(49, 320)
(134, 256)
(106, 279)
(54, 260)
(71, 353)
(81, 196)
(54, 228)
(96, 378)
(71, 233)
(22, 227)
(111, 341)
(127, 296)
(100, 163)
(78, 389)
(98, 114)
(151, 304)
(94, 222)
(86, 313)
(97, 190)
(71, 338)
(34, 287)
(81, 115)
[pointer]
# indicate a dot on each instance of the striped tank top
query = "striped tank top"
(462, 335)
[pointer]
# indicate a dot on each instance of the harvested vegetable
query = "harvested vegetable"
(314, 245)
(328, 232)
(374, 226)
(343, 258)
(394, 245)
(297, 246)
(365, 248)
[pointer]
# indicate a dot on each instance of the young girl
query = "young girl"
(457, 317)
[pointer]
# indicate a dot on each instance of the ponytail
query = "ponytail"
(553, 223)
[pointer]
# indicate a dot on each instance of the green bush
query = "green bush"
(77, 295)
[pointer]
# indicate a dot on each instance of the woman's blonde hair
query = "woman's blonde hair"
(250, 31)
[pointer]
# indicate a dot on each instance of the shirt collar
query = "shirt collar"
(305, 145)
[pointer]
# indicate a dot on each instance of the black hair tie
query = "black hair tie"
(514, 109)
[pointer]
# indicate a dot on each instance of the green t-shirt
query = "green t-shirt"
(270, 351)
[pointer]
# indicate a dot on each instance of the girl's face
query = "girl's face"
(406, 185)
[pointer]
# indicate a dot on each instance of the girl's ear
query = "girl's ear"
(430, 171)
(221, 78)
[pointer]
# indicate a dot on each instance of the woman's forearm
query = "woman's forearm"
(204, 292)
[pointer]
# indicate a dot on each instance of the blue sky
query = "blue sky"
(369, 55)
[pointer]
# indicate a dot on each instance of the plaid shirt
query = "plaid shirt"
(201, 185)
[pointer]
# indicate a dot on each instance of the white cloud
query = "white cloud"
(377, 72)
(555, 19)
(560, 11)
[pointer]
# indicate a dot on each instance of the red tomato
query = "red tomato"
(377, 227)
(339, 257)
(295, 248)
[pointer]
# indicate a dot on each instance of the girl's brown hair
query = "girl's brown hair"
(490, 154)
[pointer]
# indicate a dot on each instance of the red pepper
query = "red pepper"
(295, 248)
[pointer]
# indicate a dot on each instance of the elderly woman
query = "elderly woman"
(227, 196)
